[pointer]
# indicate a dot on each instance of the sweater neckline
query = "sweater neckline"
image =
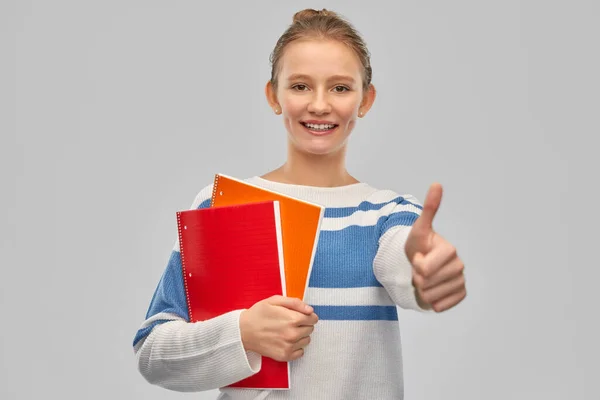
(336, 196)
(329, 189)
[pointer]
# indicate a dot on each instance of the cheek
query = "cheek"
(293, 107)
(349, 117)
(348, 109)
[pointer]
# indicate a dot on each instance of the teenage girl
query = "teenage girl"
(377, 250)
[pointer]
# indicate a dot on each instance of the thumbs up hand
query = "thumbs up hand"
(437, 270)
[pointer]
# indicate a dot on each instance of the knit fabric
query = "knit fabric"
(359, 278)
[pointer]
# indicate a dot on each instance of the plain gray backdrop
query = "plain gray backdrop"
(114, 114)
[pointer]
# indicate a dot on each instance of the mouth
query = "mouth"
(319, 129)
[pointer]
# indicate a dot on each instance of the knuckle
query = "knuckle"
(296, 355)
(286, 350)
(295, 302)
(289, 336)
(425, 271)
(294, 320)
(418, 281)
(453, 252)
(284, 355)
(297, 319)
(426, 297)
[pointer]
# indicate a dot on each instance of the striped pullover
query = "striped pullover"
(360, 276)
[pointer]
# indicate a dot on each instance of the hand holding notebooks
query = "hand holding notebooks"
(232, 257)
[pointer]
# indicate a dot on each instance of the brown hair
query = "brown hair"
(323, 24)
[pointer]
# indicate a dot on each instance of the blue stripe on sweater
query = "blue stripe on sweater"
(356, 313)
(204, 204)
(141, 333)
(169, 296)
(404, 218)
(341, 212)
(344, 258)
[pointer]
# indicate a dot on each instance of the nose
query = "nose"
(319, 103)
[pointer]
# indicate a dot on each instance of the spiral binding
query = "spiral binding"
(185, 285)
(214, 192)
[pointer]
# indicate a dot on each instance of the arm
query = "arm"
(391, 265)
(175, 354)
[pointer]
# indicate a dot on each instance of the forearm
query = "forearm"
(190, 357)
(394, 271)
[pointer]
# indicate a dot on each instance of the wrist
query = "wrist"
(245, 331)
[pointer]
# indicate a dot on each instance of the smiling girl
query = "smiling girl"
(377, 250)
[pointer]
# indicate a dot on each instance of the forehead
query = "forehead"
(319, 58)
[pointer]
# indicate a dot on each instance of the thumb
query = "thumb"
(430, 208)
(292, 303)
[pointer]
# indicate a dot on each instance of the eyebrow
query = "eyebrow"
(295, 77)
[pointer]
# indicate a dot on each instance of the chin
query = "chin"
(325, 149)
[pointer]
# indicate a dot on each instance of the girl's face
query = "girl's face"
(320, 94)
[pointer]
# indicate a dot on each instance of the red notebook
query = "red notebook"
(232, 257)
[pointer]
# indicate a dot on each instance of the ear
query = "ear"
(367, 100)
(272, 98)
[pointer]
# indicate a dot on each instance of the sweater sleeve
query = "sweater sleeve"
(391, 265)
(173, 353)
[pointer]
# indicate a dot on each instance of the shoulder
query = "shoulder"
(390, 201)
(203, 197)
(393, 209)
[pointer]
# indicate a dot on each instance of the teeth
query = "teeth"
(320, 126)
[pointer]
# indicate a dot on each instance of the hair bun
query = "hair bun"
(310, 13)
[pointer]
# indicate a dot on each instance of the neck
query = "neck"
(313, 170)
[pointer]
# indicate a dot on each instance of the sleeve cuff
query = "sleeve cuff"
(394, 271)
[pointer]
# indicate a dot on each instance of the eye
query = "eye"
(340, 89)
(300, 87)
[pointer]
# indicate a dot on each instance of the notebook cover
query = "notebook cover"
(232, 257)
(300, 222)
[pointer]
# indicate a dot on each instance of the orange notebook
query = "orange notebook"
(300, 226)
(231, 258)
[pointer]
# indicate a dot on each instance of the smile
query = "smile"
(319, 129)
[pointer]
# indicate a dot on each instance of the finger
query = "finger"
(292, 303)
(430, 264)
(449, 301)
(435, 259)
(312, 319)
(418, 263)
(306, 320)
(302, 343)
(306, 330)
(442, 290)
(296, 354)
(451, 270)
(430, 208)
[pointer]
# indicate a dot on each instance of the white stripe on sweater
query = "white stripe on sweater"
(364, 296)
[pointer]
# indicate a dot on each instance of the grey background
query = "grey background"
(116, 113)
